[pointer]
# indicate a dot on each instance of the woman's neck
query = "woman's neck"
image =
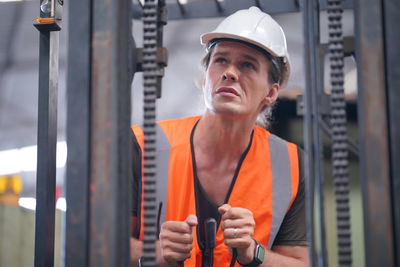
(222, 137)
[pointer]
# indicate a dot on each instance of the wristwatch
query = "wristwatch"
(259, 253)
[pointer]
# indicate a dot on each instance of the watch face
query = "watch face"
(259, 255)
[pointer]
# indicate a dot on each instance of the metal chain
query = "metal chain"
(150, 70)
(339, 133)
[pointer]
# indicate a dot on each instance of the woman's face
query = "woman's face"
(236, 80)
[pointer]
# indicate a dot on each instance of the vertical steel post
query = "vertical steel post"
(99, 109)
(46, 153)
(391, 9)
(110, 132)
(374, 136)
(78, 133)
(313, 165)
(47, 132)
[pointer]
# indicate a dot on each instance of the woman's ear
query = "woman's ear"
(272, 94)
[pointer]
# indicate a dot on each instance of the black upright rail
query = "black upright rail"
(374, 133)
(46, 159)
(103, 217)
(110, 132)
(48, 23)
(391, 11)
(78, 133)
(312, 136)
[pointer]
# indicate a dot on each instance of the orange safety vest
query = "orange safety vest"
(267, 183)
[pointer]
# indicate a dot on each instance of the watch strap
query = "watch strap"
(259, 253)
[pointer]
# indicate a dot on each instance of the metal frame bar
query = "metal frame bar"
(46, 153)
(78, 134)
(99, 81)
(374, 144)
(311, 59)
(110, 154)
(208, 9)
(109, 139)
(391, 16)
(318, 102)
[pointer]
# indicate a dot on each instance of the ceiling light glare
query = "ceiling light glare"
(27, 203)
(25, 159)
(5, 1)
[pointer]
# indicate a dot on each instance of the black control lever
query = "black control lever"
(210, 226)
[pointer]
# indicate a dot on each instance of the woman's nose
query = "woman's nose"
(230, 74)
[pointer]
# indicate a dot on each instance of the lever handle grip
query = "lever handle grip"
(210, 233)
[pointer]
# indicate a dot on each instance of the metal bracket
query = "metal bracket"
(50, 16)
(162, 53)
(324, 99)
(51, 26)
(162, 59)
(348, 47)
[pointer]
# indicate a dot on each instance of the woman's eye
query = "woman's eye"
(220, 60)
(248, 65)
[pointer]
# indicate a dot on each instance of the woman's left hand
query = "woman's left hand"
(238, 227)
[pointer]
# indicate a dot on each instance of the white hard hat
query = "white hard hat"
(255, 27)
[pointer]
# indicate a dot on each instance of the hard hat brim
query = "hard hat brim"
(207, 37)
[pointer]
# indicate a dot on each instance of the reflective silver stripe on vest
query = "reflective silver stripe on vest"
(163, 154)
(281, 183)
(281, 178)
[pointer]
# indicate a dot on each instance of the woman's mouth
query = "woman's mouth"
(226, 91)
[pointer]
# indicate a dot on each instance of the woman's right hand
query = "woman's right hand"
(176, 240)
